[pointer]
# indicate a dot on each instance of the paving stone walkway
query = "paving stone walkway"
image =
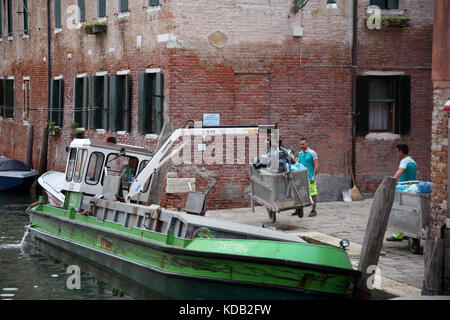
(343, 220)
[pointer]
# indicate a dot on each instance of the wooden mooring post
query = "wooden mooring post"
(373, 238)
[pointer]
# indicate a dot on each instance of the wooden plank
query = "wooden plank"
(373, 238)
(433, 253)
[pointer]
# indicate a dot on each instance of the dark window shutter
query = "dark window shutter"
(126, 106)
(159, 92)
(92, 107)
(392, 4)
(380, 3)
(57, 13)
(362, 105)
(154, 3)
(2, 97)
(113, 102)
(123, 5)
(1, 20)
(101, 8)
(82, 6)
(84, 122)
(10, 18)
(61, 103)
(25, 16)
(105, 105)
(142, 102)
(78, 101)
(54, 102)
(403, 105)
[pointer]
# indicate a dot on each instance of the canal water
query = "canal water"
(29, 274)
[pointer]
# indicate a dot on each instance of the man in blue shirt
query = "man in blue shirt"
(406, 172)
(309, 159)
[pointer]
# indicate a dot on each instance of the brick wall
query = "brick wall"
(239, 58)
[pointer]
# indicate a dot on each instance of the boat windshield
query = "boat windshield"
(71, 164)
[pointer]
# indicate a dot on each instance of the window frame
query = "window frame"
(71, 165)
(9, 99)
(389, 101)
(97, 166)
(150, 103)
(56, 114)
(101, 9)
(57, 14)
(25, 18)
(123, 6)
(10, 19)
(387, 5)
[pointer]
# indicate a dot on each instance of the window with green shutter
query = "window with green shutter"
(82, 7)
(119, 97)
(1, 19)
(57, 13)
(101, 8)
(10, 18)
(80, 108)
(57, 102)
(98, 102)
(383, 104)
(25, 17)
(150, 103)
(123, 5)
(9, 98)
(153, 3)
(385, 4)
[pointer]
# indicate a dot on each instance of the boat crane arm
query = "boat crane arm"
(159, 157)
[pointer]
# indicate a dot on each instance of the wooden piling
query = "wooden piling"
(373, 238)
(29, 150)
(433, 254)
(42, 167)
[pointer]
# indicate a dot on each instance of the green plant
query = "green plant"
(92, 28)
(53, 129)
(392, 21)
(74, 127)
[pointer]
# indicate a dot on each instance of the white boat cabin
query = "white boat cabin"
(90, 162)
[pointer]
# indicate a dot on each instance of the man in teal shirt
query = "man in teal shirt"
(309, 159)
(406, 172)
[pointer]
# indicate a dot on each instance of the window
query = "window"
(153, 3)
(383, 104)
(385, 4)
(1, 20)
(80, 165)
(82, 7)
(95, 168)
(57, 103)
(2, 96)
(124, 166)
(10, 18)
(80, 108)
(9, 98)
(71, 164)
(57, 13)
(25, 17)
(119, 98)
(123, 5)
(98, 102)
(101, 8)
(150, 102)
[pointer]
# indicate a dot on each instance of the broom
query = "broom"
(356, 195)
(347, 193)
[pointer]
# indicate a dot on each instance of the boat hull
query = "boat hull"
(8, 183)
(180, 274)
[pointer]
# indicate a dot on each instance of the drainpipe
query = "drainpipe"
(354, 69)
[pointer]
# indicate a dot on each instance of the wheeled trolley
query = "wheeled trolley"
(410, 216)
(279, 191)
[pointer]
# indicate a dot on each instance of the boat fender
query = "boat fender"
(86, 213)
(202, 233)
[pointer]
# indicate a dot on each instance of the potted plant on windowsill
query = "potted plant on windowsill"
(387, 21)
(75, 132)
(53, 129)
(94, 28)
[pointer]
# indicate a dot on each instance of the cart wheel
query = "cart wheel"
(414, 246)
(272, 215)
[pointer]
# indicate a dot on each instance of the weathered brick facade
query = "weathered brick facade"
(238, 58)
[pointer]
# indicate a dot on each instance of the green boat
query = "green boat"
(180, 255)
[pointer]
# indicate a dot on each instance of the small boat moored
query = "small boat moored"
(15, 174)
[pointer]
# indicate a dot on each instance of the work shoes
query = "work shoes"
(313, 213)
(393, 239)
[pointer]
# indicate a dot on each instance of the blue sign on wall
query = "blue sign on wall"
(211, 119)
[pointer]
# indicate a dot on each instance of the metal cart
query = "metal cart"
(279, 191)
(410, 216)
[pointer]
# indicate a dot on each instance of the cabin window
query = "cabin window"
(142, 166)
(71, 164)
(80, 165)
(95, 168)
(124, 166)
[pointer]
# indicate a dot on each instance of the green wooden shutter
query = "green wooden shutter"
(159, 92)
(154, 3)
(60, 102)
(392, 4)
(84, 122)
(105, 109)
(126, 106)
(403, 105)
(10, 18)
(1, 20)
(101, 8)
(142, 111)
(57, 13)
(2, 96)
(82, 6)
(78, 101)
(113, 102)
(362, 105)
(92, 107)
(25, 17)
(123, 5)
(380, 3)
